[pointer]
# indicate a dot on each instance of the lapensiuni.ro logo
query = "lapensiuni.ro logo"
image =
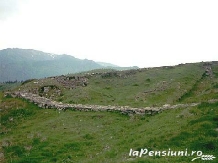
(171, 153)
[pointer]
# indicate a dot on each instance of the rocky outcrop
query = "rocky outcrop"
(208, 69)
(48, 103)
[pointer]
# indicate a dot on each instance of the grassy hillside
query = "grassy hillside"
(34, 135)
(31, 134)
(9, 86)
(138, 88)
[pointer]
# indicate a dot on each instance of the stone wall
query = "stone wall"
(48, 103)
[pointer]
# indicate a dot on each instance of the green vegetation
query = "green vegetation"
(31, 134)
(149, 87)
(137, 88)
(27, 81)
(194, 88)
(9, 86)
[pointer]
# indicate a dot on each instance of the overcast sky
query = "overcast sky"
(144, 33)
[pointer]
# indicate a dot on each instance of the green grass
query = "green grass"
(45, 135)
(30, 134)
(9, 86)
(137, 88)
(164, 85)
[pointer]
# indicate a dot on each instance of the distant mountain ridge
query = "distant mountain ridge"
(107, 64)
(22, 64)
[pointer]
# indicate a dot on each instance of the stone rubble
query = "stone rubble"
(72, 82)
(43, 102)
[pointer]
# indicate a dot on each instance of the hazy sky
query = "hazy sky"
(124, 32)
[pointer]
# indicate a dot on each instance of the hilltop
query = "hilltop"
(191, 82)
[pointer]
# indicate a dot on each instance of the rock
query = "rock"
(1, 156)
(49, 103)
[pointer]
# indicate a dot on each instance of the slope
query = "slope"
(136, 88)
(31, 134)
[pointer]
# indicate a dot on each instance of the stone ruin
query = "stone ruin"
(72, 81)
(120, 74)
(43, 102)
(50, 91)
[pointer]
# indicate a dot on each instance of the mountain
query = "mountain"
(23, 64)
(112, 66)
(107, 64)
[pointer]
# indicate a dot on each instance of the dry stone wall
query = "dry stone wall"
(48, 103)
